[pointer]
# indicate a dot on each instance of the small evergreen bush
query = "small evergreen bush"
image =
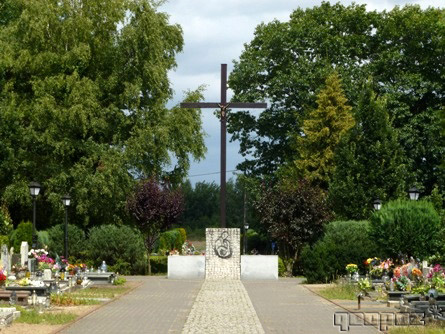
(182, 238)
(169, 240)
(121, 247)
(42, 238)
(281, 267)
(408, 228)
(23, 232)
(76, 241)
(344, 242)
(159, 264)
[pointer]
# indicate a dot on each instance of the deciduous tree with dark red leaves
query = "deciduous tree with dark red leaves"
(294, 215)
(155, 207)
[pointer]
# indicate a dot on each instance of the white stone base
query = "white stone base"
(259, 267)
(186, 267)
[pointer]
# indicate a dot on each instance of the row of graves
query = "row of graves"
(30, 277)
(411, 286)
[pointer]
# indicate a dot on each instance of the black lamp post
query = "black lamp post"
(246, 227)
(413, 194)
(34, 189)
(377, 204)
(66, 200)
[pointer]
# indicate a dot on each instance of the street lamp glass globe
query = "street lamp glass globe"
(34, 188)
(246, 227)
(413, 194)
(66, 200)
(377, 204)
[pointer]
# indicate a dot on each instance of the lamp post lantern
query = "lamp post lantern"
(413, 194)
(377, 204)
(34, 189)
(66, 200)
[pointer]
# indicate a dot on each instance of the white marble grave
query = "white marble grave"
(6, 259)
(24, 250)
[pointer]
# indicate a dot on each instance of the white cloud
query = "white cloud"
(214, 33)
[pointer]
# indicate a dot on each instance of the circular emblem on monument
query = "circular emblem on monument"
(222, 248)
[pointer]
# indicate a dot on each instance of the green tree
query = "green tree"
(407, 228)
(83, 93)
(323, 129)
(369, 161)
(294, 216)
(287, 62)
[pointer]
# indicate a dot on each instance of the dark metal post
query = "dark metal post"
(223, 144)
(245, 240)
(34, 234)
(66, 232)
(244, 223)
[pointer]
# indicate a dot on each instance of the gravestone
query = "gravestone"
(46, 274)
(6, 261)
(24, 250)
(223, 259)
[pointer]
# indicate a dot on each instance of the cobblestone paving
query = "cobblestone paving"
(283, 306)
(158, 306)
(222, 306)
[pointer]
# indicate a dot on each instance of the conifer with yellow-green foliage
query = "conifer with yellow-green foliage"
(322, 130)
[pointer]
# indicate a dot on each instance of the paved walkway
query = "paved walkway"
(160, 305)
(223, 306)
(286, 307)
(163, 306)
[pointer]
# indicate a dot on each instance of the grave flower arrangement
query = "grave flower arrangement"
(173, 252)
(437, 277)
(364, 285)
(351, 268)
(3, 277)
(188, 248)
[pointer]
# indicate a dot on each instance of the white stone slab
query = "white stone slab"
(186, 267)
(259, 267)
(223, 253)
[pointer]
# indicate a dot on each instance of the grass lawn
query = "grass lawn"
(35, 318)
(437, 328)
(343, 291)
(100, 292)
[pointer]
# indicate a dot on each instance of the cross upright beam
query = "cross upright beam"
(223, 106)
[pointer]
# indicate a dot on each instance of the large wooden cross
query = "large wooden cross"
(223, 106)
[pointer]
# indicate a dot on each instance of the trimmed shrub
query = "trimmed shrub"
(4, 240)
(121, 247)
(344, 242)
(6, 226)
(23, 232)
(408, 228)
(76, 241)
(42, 238)
(256, 241)
(281, 267)
(159, 264)
(169, 240)
(181, 240)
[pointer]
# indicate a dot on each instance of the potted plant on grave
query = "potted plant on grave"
(352, 269)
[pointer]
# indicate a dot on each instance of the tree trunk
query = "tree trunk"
(149, 264)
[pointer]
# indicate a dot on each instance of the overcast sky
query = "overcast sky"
(214, 33)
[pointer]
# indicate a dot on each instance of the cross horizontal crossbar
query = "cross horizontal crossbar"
(240, 105)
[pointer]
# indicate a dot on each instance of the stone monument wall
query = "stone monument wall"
(223, 260)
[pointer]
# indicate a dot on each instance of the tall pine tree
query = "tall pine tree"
(369, 161)
(323, 130)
